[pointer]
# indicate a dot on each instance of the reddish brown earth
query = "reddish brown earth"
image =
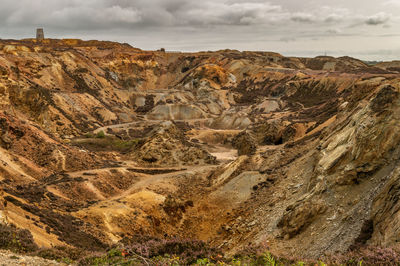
(101, 141)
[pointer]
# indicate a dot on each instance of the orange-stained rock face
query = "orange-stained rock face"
(100, 141)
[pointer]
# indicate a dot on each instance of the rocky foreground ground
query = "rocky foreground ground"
(8, 258)
(102, 142)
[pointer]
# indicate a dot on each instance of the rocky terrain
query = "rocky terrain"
(101, 142)
(10, 259)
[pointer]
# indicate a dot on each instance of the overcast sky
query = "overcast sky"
(367, 29)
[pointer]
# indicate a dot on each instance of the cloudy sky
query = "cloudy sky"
(367, 29)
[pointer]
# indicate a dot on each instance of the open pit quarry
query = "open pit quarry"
(100, 141)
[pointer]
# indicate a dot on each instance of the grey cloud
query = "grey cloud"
(100, 14)
(333, 18)
(324, 14)
(122, 13)
(103, 14)
(303, 17)
(378, 19)
(225, 13)
(89, 14)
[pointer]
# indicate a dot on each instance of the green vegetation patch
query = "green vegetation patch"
(103, 142)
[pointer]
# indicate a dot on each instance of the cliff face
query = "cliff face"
(101, 141)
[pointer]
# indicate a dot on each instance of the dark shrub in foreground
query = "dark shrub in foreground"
(368, 255)
(187, 250)
(17, 240)
(61, 253)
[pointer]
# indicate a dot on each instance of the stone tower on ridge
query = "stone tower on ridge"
(39, 34)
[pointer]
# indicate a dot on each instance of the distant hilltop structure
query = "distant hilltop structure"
(39, 34)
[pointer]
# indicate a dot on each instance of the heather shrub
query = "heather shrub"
(17, 240)
(61, 253)
(368, 255)
(188, 251)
